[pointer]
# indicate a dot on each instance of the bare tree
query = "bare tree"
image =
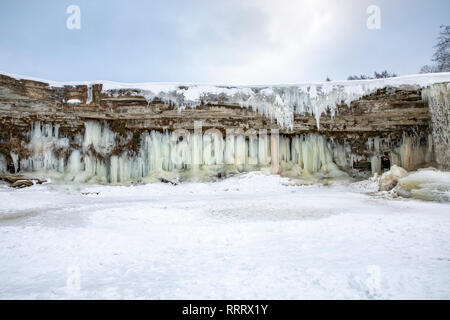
(427, 69)
(361, 77)
(376, 75)
(441, 56)
(384, 74)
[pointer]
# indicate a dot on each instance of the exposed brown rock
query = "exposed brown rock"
(24, 101)
(17, 181)
(22, 184)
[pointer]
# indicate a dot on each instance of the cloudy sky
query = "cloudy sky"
(227, 41)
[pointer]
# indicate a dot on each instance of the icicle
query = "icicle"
(99, 137)
(252, 149)
(375, 163)
(15, 159)
(74, 164)
(89, 94)
(411, 154)
(3, 164)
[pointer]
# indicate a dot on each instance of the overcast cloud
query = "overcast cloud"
(231, 41)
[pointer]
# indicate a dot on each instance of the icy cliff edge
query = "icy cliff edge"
(278, 102)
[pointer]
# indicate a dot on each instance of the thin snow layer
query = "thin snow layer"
(252, 236)
(279, 102)
(74, 101)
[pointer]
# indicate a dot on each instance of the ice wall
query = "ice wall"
(438, 98)
(94, 155)
(100, 155)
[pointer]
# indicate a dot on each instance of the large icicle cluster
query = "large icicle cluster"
(92, 156)
(410, 154)
(438, 98)
(95, 154)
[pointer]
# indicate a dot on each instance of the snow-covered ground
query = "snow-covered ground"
(251, 236)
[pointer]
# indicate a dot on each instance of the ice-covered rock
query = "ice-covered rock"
(390, 178)
(426, 184)
(18, 181)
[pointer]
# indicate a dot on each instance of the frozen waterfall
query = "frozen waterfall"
(438, 98)
(101, 155)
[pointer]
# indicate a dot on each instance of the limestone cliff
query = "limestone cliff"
(390, 122)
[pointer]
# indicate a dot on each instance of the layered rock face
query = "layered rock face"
(86, 132)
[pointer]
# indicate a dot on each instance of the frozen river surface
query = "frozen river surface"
(247, 237)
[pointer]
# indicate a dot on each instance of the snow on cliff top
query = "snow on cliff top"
(278, 102)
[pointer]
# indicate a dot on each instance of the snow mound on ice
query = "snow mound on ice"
(390, 178)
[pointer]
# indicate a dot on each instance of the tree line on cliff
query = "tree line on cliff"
(440, 58)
